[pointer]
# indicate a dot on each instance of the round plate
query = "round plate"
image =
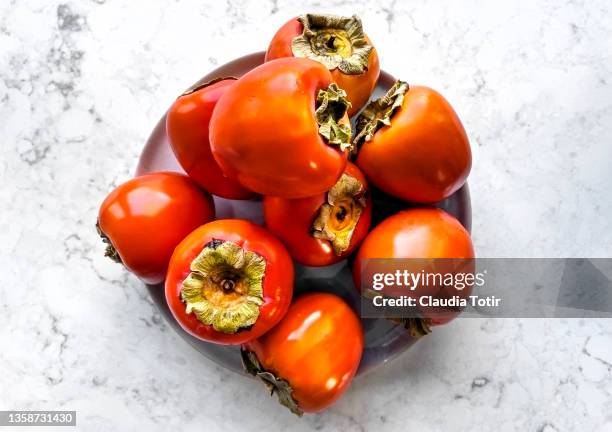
(383, 340)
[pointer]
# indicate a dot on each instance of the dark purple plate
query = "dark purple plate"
(383, 340)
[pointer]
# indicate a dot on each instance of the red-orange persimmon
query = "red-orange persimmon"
(412, 145)
(419, 233)
(282, 129)
(144, 219)
(325, 228)
(337, 42)
(309, 359)
(187, 128)
(229, 281)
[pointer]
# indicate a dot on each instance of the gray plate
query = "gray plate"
(383, 340)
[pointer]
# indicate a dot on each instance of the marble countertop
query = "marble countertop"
(82, 83)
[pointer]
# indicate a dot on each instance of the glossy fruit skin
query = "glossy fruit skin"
(187, 124)
(263, 132)
(424, 155)
(359, 87)
(277, 282)
(417, 233)
(291, 221)
(316, 348)
(146, 217)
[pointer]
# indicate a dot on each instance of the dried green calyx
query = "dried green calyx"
(417, 327)
(331, 108)
(379, 112)
(225, 286)
(276, 385)
(337, 42)
(339, 216)
(110, 251)
(203, 83)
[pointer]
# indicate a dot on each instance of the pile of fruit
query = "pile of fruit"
(282, 133)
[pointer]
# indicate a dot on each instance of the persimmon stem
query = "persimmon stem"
(110, 251)
(331, 108)
(379, 113)
(225, 286)
(337, 42)
(339, 215)
(274, 384)
(417, 327)
(228, 284)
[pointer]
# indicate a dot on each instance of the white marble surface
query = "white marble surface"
(83, 82)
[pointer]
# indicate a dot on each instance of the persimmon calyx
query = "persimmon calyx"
(378, 113)
(340, 214)
(281, 387)
(331, 108)
(417, 327)
(225, 286)
(203, 83)
(337, 42)
(110, 250)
